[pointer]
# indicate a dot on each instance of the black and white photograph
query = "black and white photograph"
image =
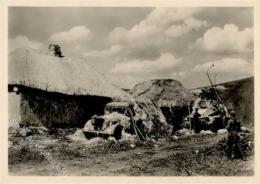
(131, 91)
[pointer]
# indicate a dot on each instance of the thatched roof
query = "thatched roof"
(163, 92)
(31, 68)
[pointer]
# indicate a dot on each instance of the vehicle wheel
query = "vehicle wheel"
(118, 132)
(89, 135)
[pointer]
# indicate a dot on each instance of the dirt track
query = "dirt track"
(168, 158)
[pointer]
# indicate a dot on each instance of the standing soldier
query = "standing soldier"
(195, 121)
(233, 140)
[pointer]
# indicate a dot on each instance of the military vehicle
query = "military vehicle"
(213, 115)
(119, 118)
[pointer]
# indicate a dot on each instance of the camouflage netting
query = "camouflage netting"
(163, 92)
(165, 100)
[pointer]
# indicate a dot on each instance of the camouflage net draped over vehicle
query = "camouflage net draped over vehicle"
(156, 123)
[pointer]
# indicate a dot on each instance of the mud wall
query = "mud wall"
(14, 100)
(52, 109)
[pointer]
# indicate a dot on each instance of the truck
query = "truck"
(119, 118)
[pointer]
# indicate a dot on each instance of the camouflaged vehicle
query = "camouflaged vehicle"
(119, 118)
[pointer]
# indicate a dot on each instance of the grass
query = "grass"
(189, 156)
(23, 153)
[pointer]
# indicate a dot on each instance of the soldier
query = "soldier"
(195, 121)
(224, 115)
(233, 140)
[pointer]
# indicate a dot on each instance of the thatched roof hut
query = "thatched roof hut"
(31, 68)
(168, 96)
(48, 90)
(163, 92)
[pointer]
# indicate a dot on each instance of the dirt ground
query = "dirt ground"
(182, 157)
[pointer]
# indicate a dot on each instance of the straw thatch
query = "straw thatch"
(33, 69)
(163, 92)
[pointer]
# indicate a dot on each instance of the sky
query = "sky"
(129, 45)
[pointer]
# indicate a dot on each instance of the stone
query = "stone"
(244, 129)
(206, 132)
(222, 131)
(183, 132)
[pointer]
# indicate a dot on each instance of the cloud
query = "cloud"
(163, 16)
(228, 39)
(23, 41)
(152, 26)
(142, 67)
(188, 25)
(77, 48)
(141, 31)
(180, 74)
(226, 66)
(124, 81)
(152, 36)
(113, 50)
(76, 33)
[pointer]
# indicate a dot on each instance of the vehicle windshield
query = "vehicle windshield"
(121, 110)
(203, 104)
